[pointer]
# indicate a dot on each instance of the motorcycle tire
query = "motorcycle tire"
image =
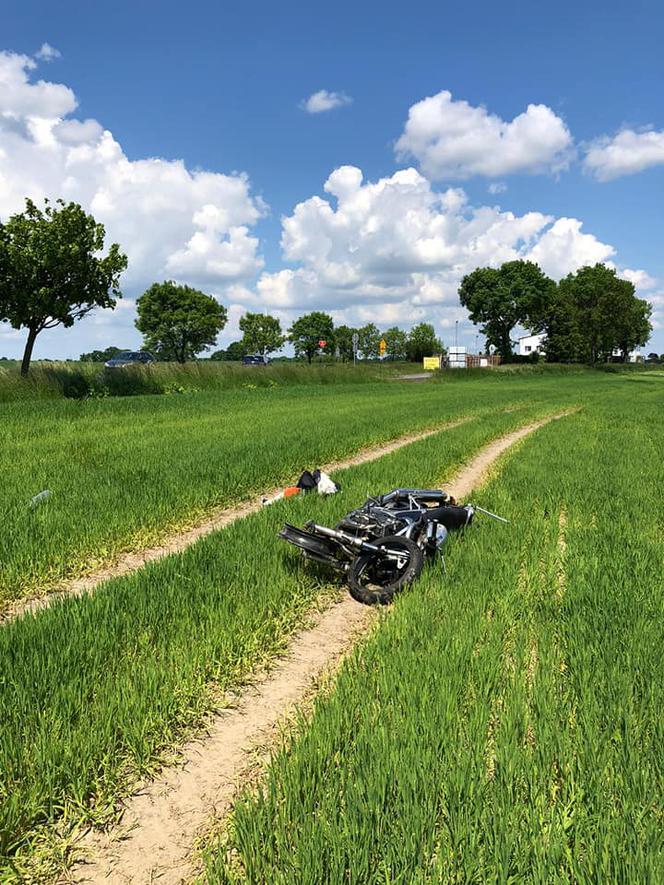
(373, 579)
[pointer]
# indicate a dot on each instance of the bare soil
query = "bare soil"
(161, 823)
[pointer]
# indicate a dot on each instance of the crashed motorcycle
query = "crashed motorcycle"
(382, 546)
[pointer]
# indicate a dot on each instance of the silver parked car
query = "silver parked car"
(130, 358)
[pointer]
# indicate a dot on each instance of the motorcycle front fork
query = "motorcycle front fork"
(436, 537)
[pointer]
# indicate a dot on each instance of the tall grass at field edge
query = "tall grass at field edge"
(82, 380)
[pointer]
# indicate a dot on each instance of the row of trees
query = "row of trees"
(178, 323)
(584, 318)
(263, 334)
(51, 274)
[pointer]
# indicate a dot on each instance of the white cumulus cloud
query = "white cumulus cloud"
(21, 99)
(452, 139)
(322, 101)
(171, 221)
(395, 250)
(625, 153)
(641, 280)
(563, 248)
(657, 317)
(46, 52)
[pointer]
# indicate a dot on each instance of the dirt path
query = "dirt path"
(129, 562)
(477, 471)
(161, 822)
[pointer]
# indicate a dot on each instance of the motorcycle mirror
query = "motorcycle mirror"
(489, 513)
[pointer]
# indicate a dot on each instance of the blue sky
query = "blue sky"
(221, 87)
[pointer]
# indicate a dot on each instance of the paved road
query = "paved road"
(420, 376)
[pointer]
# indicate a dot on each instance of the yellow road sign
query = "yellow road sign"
(382, 346)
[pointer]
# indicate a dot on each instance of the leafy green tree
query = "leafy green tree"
(516, 293)
(233, 353)
(100, 356)
(51, 273)
(369, 340)
(178, 322)
(308, 330)
(563, 341)
(396, 341)
(343, 339)
(422, 341)
(262, 333)
(608, 313)
(586, 296)
(633, 326)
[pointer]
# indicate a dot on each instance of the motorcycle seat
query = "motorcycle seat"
(451, 516)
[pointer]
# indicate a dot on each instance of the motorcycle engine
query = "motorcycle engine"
(373, 523)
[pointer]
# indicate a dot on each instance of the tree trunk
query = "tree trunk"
(309, 356)
(505, 348)
(592, 351)
(27, 353)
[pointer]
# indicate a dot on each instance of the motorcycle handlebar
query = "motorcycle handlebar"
(420, 494)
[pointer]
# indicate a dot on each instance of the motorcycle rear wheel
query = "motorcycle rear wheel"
(373, 579)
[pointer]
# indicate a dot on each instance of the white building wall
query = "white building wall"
(633, 357)
(529, 344)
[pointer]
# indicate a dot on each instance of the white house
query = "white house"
(634, 356)
(529, 344)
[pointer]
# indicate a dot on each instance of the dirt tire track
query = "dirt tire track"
(478, 469)
(177, 542)
(162, 821)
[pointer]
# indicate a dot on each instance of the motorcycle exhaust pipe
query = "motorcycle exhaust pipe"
(344, 538)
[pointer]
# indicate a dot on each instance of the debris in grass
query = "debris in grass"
(308, 481)
(40, 498)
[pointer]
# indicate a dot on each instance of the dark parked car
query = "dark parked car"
(130, 358)
(255, 359)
